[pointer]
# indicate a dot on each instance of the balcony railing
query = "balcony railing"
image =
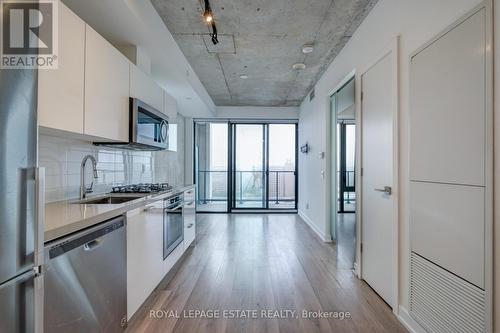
(249, 187)
(350, 179)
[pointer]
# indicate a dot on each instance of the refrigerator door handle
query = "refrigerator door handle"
(40, 216)
(39, 303)
(39, 249)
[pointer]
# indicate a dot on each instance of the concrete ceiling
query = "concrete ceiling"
(263, 39)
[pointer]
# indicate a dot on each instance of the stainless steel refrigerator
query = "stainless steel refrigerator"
(21, 205)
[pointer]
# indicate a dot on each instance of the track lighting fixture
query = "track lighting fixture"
(207, 14)
(208, 17)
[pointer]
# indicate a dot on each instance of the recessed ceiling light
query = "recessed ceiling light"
(244, 76)
(307, 48)
(299, 66)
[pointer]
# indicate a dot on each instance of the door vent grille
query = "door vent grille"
(443, 302)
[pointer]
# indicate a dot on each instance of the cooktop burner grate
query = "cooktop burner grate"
(142, 188)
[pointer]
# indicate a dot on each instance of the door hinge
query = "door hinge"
(361, 247)
(362, 96)
(362, 169)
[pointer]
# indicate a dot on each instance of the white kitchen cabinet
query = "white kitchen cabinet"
(145, 265)
(145, 88)
(172, 135)
(189, 215)
(107, 89)
(61, 91)
(170, 105)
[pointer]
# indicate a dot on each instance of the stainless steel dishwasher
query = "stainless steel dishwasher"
(86, 280)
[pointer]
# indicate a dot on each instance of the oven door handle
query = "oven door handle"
(173, 209)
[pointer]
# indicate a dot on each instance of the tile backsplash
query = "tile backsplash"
(62, 158)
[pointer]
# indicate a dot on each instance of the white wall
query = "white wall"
(61, 158)
(415, 22)
(257, 112)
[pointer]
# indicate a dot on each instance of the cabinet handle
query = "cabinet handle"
(190, 226)
(150, 208)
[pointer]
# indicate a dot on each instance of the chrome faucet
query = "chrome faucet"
(83, 189)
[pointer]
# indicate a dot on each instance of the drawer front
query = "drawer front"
(189, 195)
(189, 223)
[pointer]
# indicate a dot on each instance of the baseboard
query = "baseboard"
(408, 322)
(308, 221)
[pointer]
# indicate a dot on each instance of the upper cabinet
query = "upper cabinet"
(89, 93)
(106, 89)
(61, 91)
(144, 88)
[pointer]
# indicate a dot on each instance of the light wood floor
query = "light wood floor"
(270, 262)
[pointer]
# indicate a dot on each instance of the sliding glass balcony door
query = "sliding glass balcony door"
(249, 166)
(245, 166)
(211, 166)
(282, 166)
(264, 166)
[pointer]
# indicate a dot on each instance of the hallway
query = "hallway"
(262, 262)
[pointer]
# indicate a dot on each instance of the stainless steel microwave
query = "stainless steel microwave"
(148, 128)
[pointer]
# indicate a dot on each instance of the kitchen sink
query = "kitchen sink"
(107, 200)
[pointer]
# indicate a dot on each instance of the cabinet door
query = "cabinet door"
(60, 91)
(172, 135)
(189, 214)
(170, 106)
(106, 89)
(145, 88)
(145, 268)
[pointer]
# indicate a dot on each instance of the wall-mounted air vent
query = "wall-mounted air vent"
(443, 302)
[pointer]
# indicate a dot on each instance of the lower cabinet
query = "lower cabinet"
(189, 213)
(145, 266)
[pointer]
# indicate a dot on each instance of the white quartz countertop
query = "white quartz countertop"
(66, 217)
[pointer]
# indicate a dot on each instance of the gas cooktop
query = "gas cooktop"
(142, 188)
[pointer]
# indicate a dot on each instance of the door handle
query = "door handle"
(387, 190)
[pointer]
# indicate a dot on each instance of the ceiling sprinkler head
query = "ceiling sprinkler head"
(307, 48)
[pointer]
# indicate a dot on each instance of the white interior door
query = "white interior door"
(378, 197)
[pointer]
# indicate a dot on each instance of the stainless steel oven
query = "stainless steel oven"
(173, 224)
